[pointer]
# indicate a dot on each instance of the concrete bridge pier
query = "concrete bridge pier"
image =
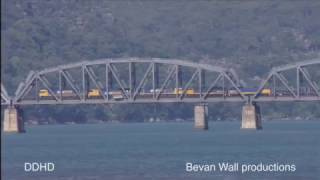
(251, 117)
(13, 121)
(201, 117)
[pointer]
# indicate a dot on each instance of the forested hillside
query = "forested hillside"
(249, 36)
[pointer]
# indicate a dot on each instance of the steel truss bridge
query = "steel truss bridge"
(136, 80)
(293, 82)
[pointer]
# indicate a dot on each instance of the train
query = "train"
(94, 93)
(43, 93)
(189, 91)
(232, 92)
(117, 95)
(250, 92)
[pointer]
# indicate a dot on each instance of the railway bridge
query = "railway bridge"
(153, 80)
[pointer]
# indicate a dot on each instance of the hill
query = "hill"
(250, 36)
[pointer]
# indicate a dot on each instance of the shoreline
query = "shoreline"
(165, 121)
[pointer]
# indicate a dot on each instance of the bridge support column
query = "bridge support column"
(13, 121)
(200, 116)
(251, 117)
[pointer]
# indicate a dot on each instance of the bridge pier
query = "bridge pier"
(201, 117)
(251, 116)
(13, 121)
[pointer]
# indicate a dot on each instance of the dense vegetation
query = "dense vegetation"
(250, 36)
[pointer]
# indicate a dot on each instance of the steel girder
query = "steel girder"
(5, 98)
(130, 89)
(291, 92)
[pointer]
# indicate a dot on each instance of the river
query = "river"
(161, 150)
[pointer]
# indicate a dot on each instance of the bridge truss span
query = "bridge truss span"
(293, 82)
(5, 98)
(129, 80)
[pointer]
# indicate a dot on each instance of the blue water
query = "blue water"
(160, 150)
